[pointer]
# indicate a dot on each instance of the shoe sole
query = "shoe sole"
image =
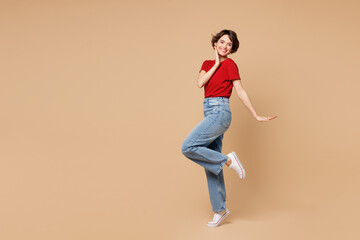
(219, 221)
(239, 163)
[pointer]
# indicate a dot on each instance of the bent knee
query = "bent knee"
(185, 148)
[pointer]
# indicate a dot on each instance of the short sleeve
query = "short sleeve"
(233, 71)
(204, 66)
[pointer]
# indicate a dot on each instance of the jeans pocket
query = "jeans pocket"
(225, 107)
(225, 118)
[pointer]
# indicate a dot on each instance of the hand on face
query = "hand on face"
(217, 60)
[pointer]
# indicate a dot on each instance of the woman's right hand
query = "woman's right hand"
(217, 60)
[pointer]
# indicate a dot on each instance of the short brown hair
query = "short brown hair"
(233, 38)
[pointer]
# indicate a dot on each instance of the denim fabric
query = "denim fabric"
(203, 145)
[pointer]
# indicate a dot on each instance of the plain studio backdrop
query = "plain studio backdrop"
(96, 98)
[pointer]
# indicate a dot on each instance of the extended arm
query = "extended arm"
(241, 93)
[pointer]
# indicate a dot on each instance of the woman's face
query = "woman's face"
(224, 45)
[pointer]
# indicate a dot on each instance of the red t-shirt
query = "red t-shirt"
(220, 84)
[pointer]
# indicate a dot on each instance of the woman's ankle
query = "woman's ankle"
(228, 162)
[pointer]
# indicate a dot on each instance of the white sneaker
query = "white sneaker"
(218, 217)
(236, 165)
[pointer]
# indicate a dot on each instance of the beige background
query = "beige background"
(96, 98)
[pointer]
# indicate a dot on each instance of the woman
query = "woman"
(204, 143)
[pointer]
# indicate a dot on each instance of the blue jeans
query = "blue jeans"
(203, 146)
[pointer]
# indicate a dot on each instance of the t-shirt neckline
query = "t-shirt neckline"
(222, 61)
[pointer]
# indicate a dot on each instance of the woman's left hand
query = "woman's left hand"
(264, 119)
